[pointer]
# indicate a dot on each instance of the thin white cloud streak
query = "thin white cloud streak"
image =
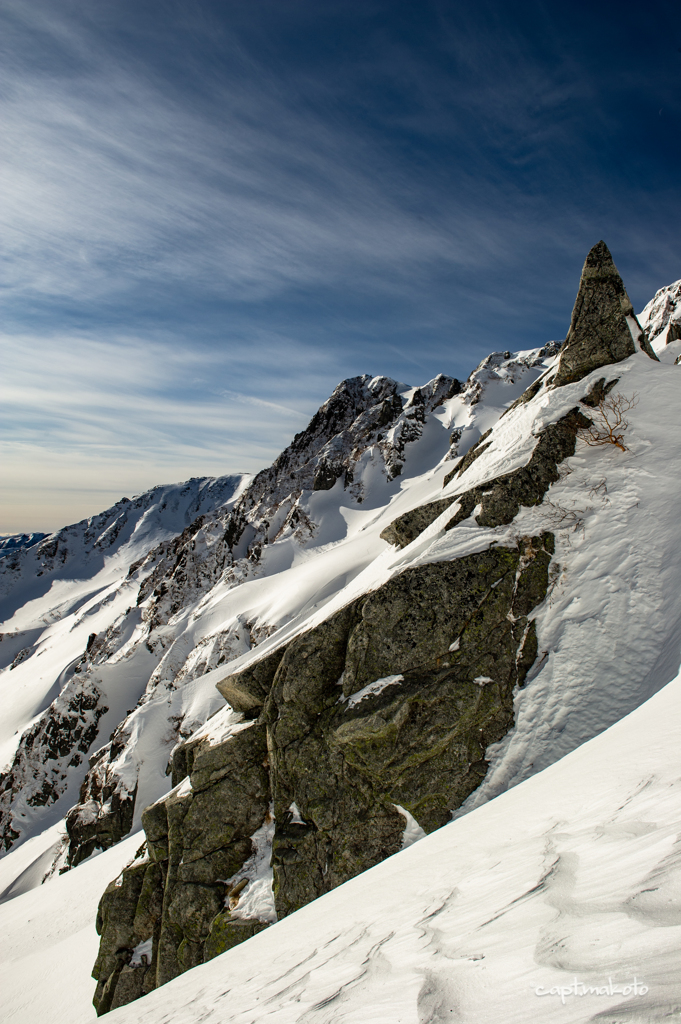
(78, 391)
(99, 419)
(110, 181)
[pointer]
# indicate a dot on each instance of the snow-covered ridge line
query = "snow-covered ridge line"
(123, 532)
(13, 542)
(177, 634)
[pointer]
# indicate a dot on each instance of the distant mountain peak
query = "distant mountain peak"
(661, 318)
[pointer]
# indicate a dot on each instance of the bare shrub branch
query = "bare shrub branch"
(609, 425)
(558, 516)
(600, 490)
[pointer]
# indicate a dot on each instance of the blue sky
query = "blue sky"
(213, 212)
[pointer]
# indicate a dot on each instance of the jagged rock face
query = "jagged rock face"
(389, 703)
(603, 324)
(661, 318)
(499, 500)
(59, 741)
(105, 809)
(361, 412)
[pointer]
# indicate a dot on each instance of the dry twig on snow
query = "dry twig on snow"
(558, 516)
(609, 424)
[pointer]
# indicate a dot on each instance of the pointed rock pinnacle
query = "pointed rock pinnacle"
(603, 325)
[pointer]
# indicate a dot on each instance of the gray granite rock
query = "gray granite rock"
(602, 323)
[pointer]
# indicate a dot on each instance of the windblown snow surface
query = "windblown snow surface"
(569, 877)
(547, 904)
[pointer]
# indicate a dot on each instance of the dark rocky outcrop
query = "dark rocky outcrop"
(174, 893)
(105, 809)
(408, 527)
(390, 702)
(599, 392)
(128, 915)
(599, 332)
(500, 498)
(246, 690)
(473, 453)
(58, 741)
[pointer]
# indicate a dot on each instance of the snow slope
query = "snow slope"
(572, 877)
(60, 592)
(609, 637)
(152, 670)
(661, 318)
(609, 633)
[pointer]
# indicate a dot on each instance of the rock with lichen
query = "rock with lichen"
(603, 328)
(389, 704)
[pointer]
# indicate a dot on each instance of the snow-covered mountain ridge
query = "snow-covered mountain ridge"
(148, 629)
(10, 544)
(66, 599)
(279, 586)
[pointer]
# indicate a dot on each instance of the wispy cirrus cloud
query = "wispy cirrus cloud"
(213, 212)
(112, 181)
(82, 421)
